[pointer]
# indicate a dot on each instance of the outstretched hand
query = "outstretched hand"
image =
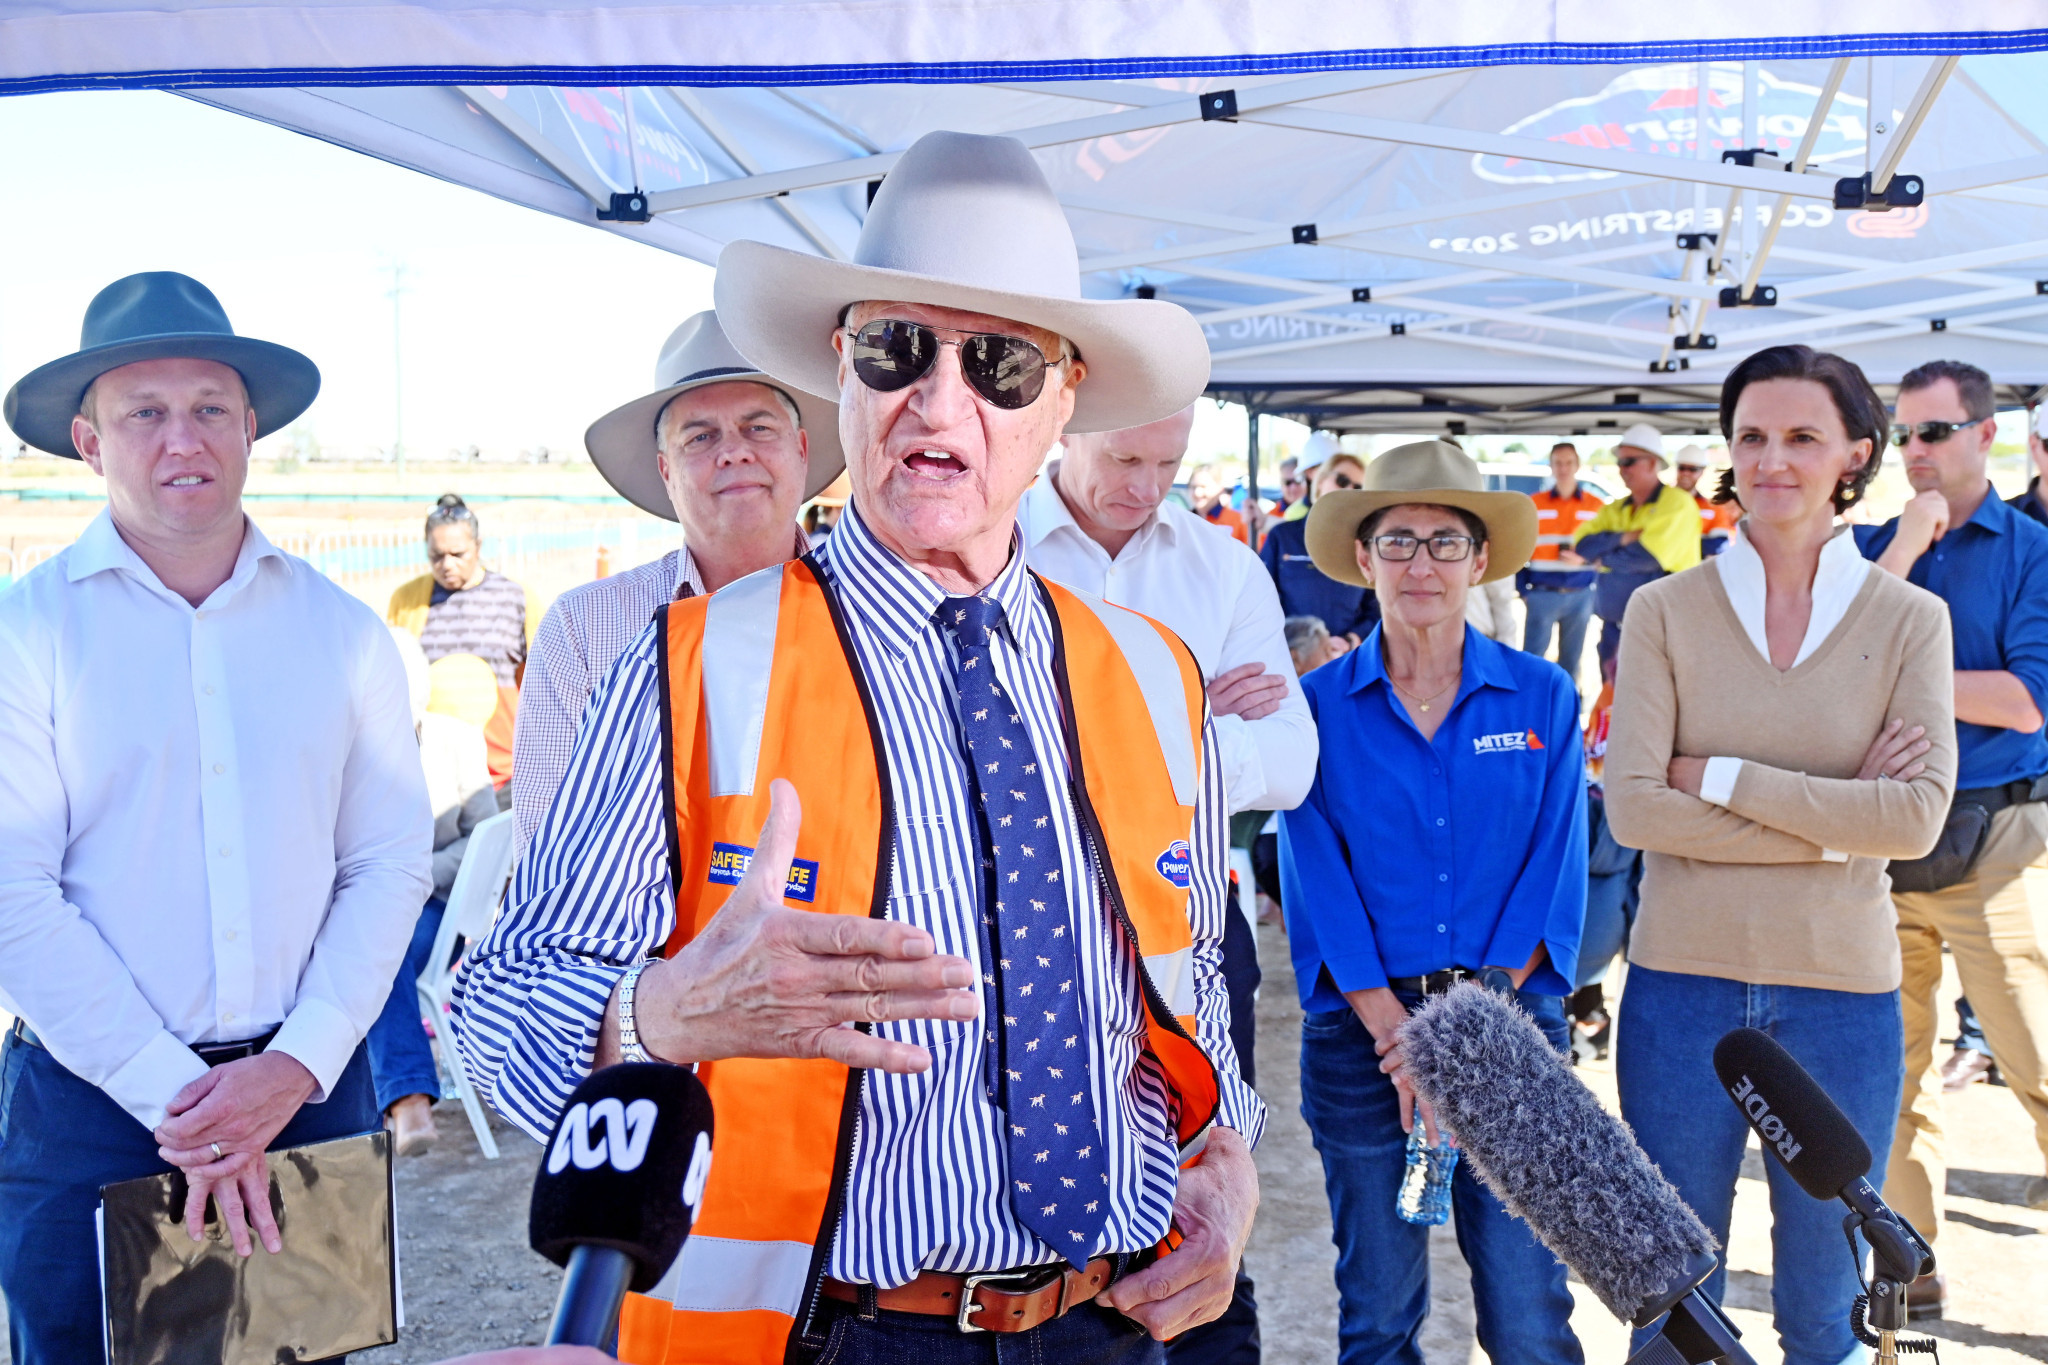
(763, 980)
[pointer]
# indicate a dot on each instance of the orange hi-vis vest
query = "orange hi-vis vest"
(760, 681)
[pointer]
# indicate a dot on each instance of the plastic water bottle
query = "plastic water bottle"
(1425, 1196)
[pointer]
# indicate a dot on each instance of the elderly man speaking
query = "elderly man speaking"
(920, 858)
(716, 446)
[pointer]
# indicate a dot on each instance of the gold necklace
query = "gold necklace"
(1420, 701)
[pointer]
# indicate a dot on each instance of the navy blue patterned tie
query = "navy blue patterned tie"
(1059, 1177)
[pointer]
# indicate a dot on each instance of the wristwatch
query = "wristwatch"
(629, 1029)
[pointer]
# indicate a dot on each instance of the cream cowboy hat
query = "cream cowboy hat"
(622, 442)
(966, 222)
(1432, 472)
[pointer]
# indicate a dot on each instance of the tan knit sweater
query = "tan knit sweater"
(1742, 891)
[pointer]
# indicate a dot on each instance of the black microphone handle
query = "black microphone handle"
(594, 1284)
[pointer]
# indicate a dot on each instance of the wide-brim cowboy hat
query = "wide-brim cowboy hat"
(622, 443)
(1435, 473)
(965, 222)
(153, 316)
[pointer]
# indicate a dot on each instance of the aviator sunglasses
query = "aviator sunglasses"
(1007, 372)
(1930, 433)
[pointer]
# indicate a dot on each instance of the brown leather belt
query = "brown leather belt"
(983, 1303)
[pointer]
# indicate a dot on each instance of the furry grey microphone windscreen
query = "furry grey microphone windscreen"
(1541, 1141)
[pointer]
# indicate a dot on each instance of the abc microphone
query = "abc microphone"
(1815, 1142)
(615, 1198)
(1540, 1140)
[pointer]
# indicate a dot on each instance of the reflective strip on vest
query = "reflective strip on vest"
(1159, 680)
(1174, 974)
(739, 647)
(726, 1275)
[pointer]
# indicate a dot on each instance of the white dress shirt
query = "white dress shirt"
(213, 822)
(583, 632)
(1836, 581)
(1208, 588)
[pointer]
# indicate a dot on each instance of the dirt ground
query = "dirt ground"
(471, 1283)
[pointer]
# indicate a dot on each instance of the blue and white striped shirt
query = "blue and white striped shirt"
(927, 1185)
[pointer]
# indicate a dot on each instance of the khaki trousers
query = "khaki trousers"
(1993, 927)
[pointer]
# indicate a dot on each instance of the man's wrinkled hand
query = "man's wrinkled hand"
(1248, 691)
(241, 1106)
(762, 980)
(1212, 1211)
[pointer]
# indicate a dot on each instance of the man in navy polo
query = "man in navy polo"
(1990, 564)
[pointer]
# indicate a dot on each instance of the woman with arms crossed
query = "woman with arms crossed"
(1783, 725)
(1444, 838)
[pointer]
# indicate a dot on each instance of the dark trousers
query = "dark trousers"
(1232, 1339)
(62, 1138)
(1086, 1336)
(1520, 1297)
(401, 1055)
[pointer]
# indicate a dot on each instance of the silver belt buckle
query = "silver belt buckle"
(970, 1283)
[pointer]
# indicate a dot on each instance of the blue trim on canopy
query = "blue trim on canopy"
(1117, 68)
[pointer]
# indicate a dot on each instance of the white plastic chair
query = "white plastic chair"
(472, 904)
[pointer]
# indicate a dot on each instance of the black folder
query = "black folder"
(332, 1290)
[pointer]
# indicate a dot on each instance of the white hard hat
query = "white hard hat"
(1643, 436)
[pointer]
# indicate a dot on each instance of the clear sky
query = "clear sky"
(519, 329)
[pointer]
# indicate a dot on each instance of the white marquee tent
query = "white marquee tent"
(1402, 215)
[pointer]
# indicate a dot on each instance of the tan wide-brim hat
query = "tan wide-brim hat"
(622, 443)
(1436, 473)
(969, 222)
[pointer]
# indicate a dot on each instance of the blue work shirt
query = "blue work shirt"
(1467, 850)
(1306, 590)
(1993, 573)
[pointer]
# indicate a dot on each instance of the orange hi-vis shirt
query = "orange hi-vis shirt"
(1231, 520)
(1717, 522)
(1557, 519)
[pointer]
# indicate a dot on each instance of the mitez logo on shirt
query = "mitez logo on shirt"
(729, 864)
(1177, 863)
(1507, 742)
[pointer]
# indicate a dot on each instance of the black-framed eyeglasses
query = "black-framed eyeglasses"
(1007, 372)
(1930, 433)
(1447, 548)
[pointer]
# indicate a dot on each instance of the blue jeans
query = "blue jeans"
(1669, 1094)
(61, 1138)
(1087, 1335)
(1568, 609)
(1518, 1288)
(401, 1056)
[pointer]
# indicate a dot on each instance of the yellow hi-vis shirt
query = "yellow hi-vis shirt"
(1669, 522)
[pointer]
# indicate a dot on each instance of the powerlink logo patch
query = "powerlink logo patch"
(1177, 863)
(1506, 742)
(729, 863)
(1768, 1126)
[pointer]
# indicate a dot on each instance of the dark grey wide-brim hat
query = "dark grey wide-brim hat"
(622, 442)
(153, 316)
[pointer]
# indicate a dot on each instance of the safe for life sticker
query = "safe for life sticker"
(729, 864)
(1176, 863)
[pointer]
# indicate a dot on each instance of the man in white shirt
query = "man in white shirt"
(1098, 519)
(717, 446)
(214, 834)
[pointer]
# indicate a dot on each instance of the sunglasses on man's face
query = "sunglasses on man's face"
(1626, 460)
(1930, 433)
(1005, 371)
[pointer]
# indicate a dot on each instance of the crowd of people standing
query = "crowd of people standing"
(967, 773)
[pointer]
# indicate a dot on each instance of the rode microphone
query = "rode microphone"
(1542, 1142)
(615, 1197)
(1815, 1142)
